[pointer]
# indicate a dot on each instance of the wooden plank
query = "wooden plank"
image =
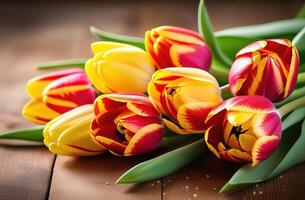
(24, 172)
(203, 178)
(94, 178)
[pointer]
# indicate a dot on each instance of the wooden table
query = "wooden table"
(32, 34)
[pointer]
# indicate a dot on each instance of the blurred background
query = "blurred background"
(35, 32)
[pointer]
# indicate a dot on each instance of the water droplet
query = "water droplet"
(215, 188)
(260, 192)
(187, 187)
(107, 183)
(169, 180)
(158, 181)
(196, 188)
(194, 195)
(207, 176)
(164, 184)
(254, 193)
(256, 185)
(152, 184)
(281, 176)
(187, 177)
(164, 193)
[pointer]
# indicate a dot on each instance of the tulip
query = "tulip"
(56, 93)
(185, 96)
(118, 67)
(126, 124)
(268, 68)
(69, 133)
(244, 129)
(170, 46)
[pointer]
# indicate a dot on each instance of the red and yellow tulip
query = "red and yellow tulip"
(170, 46)
(56, 93)
(185, 95)
(244, 129)
(118, 67)
(69, 133)
(126, 124)
(268, 68)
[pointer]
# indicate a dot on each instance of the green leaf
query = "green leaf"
(79, 62)
(173, 141)
(284, 29)
(163, 165)
(297, 93)
(301, 13)
(230, 45)
(30, 134)
(299, 42)
(248, 175)
(206, 30)
(103, 35)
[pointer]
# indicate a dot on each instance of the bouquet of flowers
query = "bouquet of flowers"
(237, 93)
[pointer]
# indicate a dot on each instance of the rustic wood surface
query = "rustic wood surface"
(39, 32)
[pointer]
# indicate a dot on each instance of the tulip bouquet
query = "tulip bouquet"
(239, 93)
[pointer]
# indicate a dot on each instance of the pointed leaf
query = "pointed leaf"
(206, 30)
(30, 134)
(79, 62)
(301, 13)
(299, 42)
(284, 29)
(103, 35)
(163, 165)
(248, 175)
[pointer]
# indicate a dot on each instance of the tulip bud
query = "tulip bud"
(185, 95)
(244, 129)
(118, 67)
(170, 46)
(268, 68)
(126, 124)
(69, 133)
(56, 93)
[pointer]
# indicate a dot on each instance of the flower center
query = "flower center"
(237, 131)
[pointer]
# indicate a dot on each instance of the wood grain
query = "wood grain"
(94, 178)
(40, 32)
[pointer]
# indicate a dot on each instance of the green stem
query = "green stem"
(287, 108)
(219, 74)
(225, 89)
(301, 13)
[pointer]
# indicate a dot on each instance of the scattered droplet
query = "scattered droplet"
(187, 178)
(196, 188)
(164, 193)
(260, 192)
(215, 188)
(207, 176)
(254, 192)
(152, 184)
(187, 187)
(164, 184)
(281, 176)
(169, 180)
(158, 181)
(256, 185)
(194, 195)
(107, 183)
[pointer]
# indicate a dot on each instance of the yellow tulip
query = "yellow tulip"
(118, 67)
(69, 133)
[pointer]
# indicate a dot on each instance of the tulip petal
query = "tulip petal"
(263, 148)
(241, 156)
(104, 46)
(247, 141)
(38, 112)
(111, 145)
(36, 85)
(239, 118)
(267, 124)
(213, 137)
(191, 116)
(143, 109)
(175, 128)
(293, 73)
(145, 140)
(254, 104)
